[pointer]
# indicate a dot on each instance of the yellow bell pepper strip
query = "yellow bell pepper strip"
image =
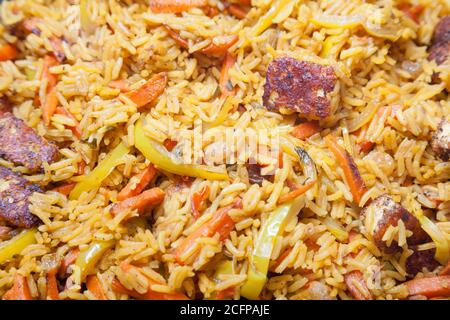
(259, 261)
(15, 245)
(87, 260)
(95, 177)
(264, 22)
(162, 160)
(442, 254)
(225, 267)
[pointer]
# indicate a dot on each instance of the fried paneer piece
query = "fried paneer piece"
(300, 86)
(22, 146)
(440, 47)
(419, 260)
(14, 199)
(387, 212)
(440, 142)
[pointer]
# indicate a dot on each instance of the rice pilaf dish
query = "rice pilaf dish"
(204, 149)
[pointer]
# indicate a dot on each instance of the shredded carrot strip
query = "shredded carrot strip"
(49, 61)
(351, 172)
(49, 106)
(8, 52)
(175, 6)
(357, 276)
(237, 11)
(120, 84)
(199, 199)
(306, 129)
(215, 49)
(220, 223)
(294, 194)
(65, 188)
(137, 183)
(225, 293)
(52, 286)
(280, 259)
(431, 287)
(75, 129)
(51, 100)
(19, 290)
(151, 90)
(224, 80)
(176, 36)
(412, 11)
(446, 270)
(68, 260)
(169, 144)
(95, 287)
(211, 11)
(140, 202)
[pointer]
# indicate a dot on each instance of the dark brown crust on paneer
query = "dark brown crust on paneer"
(419, 260)
(21, 145)
(14, 199)
(440, 47)
(440, 142)
(300, 86)
(388, 213)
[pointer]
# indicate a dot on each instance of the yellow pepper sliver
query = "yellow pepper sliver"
(14, 246)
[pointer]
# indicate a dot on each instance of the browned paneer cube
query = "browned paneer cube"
(440, 47)
(440, 142)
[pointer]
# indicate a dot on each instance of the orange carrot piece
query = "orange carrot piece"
(280, 259)
(220, 223)
(199, 199)
(148, 92)
(225, 293)
(65, 189)
(140, 202)
(95, 287)
(224, 83)
(19, 290)
(176, 36)
(137, 183)
(169, 144)
(351, 172)
(120, 84)
(211, 11)
(52, 286)
(438, 286)
(175, 6)
(150, 294)
(357, 276)
(75, 129)
(237, 11)
(297, 192)
(58, 50)
(306, 129)
(49, 61)
(8, 52)
(412, 11)
(68, 260)
(49, 106)
(446, 270)
(215, 49)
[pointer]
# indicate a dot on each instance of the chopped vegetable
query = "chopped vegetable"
(65, 189)
(220, 223)
(52, 285)
(357, 286)
(49, 61)
(442, 246)
(165, 161)
(58, 50)
(296, 193)
(224, 81)
(95, 287)
(51, 100)
(217, 49)
(75, 129)
(176, 36)
(446, 270)
(137, 183)
(150, 294)
(412, 12)
(438, 286)
(68, 260)
(306, 129)
(17, 244)
(237, 10)
(151, 90)
(49, 106)
(88, 259)
(19, 290)
(334, 21)
(120, 84)
(262, 249)
(140, 202)
(351, 172)
(280, 259)
(198, 200)
(103, 169)
(175, 6)
(169, 144)
(223, 268)
(8, 52)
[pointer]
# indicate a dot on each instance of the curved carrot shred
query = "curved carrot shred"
(120, 84)
(431, 287)
(75, 129)
(148, 92)
(305, 130)
(297, 192)
(8, 52)
(65, 188)
(137, 183)
(175, 6)
(225, 86)
(199, 199)
(237, 11)
(49, 106)
(351, 172)
(280, 259)
(19, 290)
(95, 287)
(68, 260)
(140, 202)
(176, 36)
(357, 276)
(52, 286)
(217, 49)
